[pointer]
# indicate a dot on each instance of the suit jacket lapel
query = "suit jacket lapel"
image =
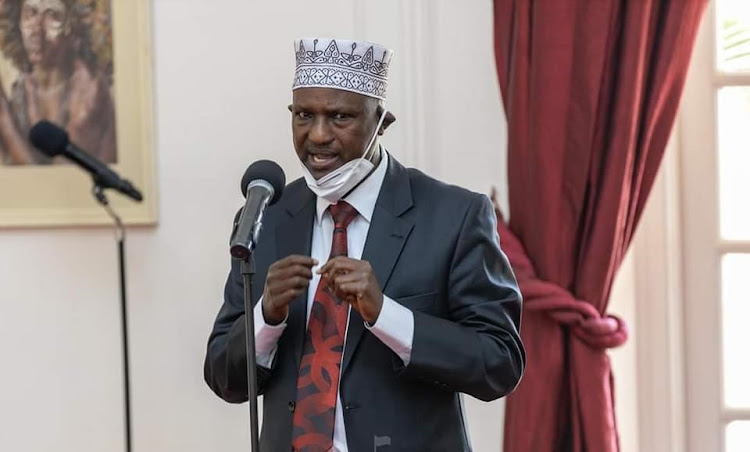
(294, 236)
(385, 240)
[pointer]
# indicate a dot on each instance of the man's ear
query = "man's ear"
(390, 118)
(289, 107)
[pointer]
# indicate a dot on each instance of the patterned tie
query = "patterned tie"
(318, 378)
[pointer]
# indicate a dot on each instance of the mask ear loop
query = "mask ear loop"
(370, 147)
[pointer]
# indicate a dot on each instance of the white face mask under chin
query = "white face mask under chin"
(334, 185)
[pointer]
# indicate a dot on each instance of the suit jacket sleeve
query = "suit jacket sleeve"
(226, 360)
(475, 348)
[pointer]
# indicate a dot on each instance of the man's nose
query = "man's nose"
(320, 131)
(34, 23)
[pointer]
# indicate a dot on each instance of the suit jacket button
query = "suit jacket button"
(292, 405)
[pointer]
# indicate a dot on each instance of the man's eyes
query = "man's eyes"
(57, 16)
(334, 116)
(28, 13)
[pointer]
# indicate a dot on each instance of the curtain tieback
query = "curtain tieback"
(585, 321)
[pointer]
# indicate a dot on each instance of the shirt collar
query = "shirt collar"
(364, 197)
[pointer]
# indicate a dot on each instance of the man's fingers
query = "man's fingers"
(282, 285)
(343, 266)
(282, 295)
(301, 260)
(296, 259)
(337, 279)
(353, 289)
(291, 272)
(293, 293)
(292, 266)
(288, 278)
(340, 281)
(339, 263)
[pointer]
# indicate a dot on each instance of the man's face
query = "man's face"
(43, 28)
(331, 127)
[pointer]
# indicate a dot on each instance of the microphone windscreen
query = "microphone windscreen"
(268, 171)
(48, 138)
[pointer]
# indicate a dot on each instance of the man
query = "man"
(385, 292)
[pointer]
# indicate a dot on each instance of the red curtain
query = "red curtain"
(591, 90)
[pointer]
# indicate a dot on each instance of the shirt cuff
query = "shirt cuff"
(266, 336)
(395, 328)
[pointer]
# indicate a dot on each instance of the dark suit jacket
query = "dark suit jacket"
(434, 249)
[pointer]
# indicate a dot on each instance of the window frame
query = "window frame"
(703, 247)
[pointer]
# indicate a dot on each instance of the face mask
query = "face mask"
(339, 182)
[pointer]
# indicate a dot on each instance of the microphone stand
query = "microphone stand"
(101, 198)
(247, 268)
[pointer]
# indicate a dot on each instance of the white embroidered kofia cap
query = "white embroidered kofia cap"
(356, 66)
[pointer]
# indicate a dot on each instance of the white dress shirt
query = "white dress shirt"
(395, 324)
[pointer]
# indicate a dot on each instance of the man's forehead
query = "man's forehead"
(328, 96)
(45, 4)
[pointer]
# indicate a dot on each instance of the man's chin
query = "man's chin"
(35, 58)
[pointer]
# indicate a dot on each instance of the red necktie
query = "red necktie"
(318, 378)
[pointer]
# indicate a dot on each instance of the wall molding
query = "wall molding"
(417, 18)
(360, 19)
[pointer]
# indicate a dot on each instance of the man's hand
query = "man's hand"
(354, 282)
(287, 279)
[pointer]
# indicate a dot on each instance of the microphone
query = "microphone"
(53, 140)
(262, 186)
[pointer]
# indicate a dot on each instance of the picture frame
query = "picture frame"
(60, 194)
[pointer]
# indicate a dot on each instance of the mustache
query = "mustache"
(321, 151)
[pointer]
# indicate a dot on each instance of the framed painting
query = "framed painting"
(84, 65)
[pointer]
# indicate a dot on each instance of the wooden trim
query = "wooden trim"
(733, 246)
(700, 217)
(416, 19)
(659, 314)
(735, 414)
(731, 79)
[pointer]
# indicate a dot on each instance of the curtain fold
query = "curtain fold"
(591, 91)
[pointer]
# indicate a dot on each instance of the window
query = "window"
(732, 91)
(715, 153)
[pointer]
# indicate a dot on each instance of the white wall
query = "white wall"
(222, 75)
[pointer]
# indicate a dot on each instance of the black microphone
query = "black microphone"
(262, 186)
(53, 140)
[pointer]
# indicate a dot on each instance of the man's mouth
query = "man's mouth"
(322, 162)
(34, 46)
